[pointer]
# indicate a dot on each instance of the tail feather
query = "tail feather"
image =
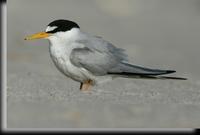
(169, 77)
(143, 74)
(133, 71)
(139, 76)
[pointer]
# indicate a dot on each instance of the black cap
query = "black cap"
(62, 25)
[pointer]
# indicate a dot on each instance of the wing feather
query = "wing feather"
(101, 57)
(98, 56)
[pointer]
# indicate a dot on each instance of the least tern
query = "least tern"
(89, 59)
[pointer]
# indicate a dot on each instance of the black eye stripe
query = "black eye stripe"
(58, 30)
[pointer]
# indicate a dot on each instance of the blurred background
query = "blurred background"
(155, 33)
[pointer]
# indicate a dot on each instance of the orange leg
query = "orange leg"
(86, 85)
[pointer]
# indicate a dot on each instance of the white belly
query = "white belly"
(60, 52)
(77, 73)
(61, 58)
(67, 68)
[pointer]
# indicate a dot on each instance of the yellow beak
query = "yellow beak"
(37, 36)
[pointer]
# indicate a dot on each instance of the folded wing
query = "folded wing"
(103, 58)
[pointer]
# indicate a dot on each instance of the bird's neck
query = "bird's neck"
(64, 42)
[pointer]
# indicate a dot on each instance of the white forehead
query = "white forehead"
(49, 28)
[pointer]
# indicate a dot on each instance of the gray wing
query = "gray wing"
(101, 57)
(98, 56)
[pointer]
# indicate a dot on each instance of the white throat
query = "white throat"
(62, 43)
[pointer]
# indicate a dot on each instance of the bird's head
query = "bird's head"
(53, 28)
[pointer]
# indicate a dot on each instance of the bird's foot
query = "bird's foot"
(85, 86)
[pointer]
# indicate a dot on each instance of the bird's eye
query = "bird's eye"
(50, 28)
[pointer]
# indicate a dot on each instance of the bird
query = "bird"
(90, 59)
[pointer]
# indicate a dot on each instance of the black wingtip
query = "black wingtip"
(170, 71)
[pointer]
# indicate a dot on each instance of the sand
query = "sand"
(159, 34)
